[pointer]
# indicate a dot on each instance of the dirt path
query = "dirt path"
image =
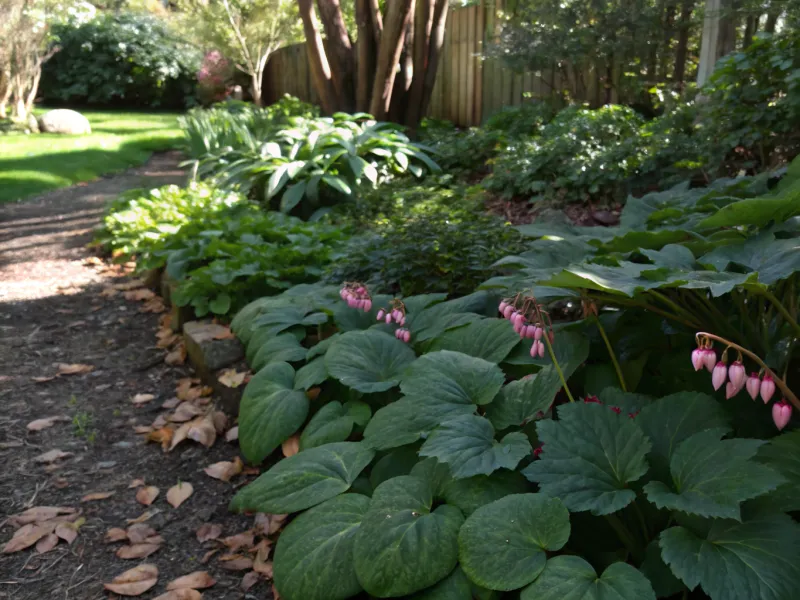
(52, 311)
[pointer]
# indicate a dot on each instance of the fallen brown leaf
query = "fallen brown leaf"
(142, 429)
(139, 295)
(232, 378)
(261, 524)
(52, 456)
(240, 540)
(235, 562)
(47, 543)
(198, 580)
(97, 496)
(154, 305)
(167, 340)
(313, 393)
(43, 379)
(136, 483)
(220, 421)
(115, 534)
(25, 537)
(276, 522)
(224, 470)
(232, 435)
(181, 594)
(275, 594)
(160, 421)
(189, 389)
(208, 531)
(69, 531)
(207, 556)
(291, 446)
(40, 513)
(131, 284)
(178, 494)
(137, 550)
(146, 495)
(177, 356)
(139, 532)
(171, 403)
(75, 369)
(139, 399)
(202, 430)
(163, 436)
(261, 564)
(145, 516)
(135, 581)
(108, 292)
(185, 412)
(249, 580)
(40, 424)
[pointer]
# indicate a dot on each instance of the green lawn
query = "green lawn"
(31, 164)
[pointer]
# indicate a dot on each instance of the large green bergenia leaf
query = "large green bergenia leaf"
(281, 348)
(455, 587)
(755, 560)
(572, 578)
(521, 400)
(711, 476)
(277, 320)
(305, 479)
(368, 361)
(452, 377)
(756, 211)
(670, 420)
(313, 557)
(589, 457)
(311, 374)
(267, 420)
(467, 445)
(331, 423)
(469, 494)
(275, 376)
(783, 454)
(489, 339)
(502, 545)
(404, 546)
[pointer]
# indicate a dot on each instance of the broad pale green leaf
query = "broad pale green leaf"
(267, 420)
(281, 348)
(435, 473)
(589, 457)
(755, 560)
(756, 211)
(304, 480)
(502, 545)
(782, 454)
(403, 546)
(311, 374)
(469, 494)
(359, 411)
(275, 376)
(572, 578)
(313, 557)
(626, 279)
(321, 348)
(672, 255)
(241, 323)
(416, 304)
(279, 319)
(467, 445)
(712, 476)
(452, 377)
(330, 424)
(520, 401)
(368, 361)
(455, 587)
(672, 419)
(410, 418)
(664, 582)
(489, 339)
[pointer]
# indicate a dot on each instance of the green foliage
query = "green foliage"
(124, 59)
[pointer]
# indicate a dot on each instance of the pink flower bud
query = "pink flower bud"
(342, 293)
(397, 315)
(381, 314)
(537, 333)
(518, 326)
(361, 291)
(767, 388)
(731, 390)
(551, 336)
(403, 320)
(698, 358)
(509, 310)
(781, 414)
(538, 450)
(616, 409)
(502, 308)
(397, 333)
(541, 349)
(719, 375)
(737, 374)
(535, 348)
(591, 400)
(388, 319)
(406, 336)
(709, 359)
(367, 305)
(753, 384)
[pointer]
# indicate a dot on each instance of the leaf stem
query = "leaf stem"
(781, 309)
(611, 354)
(642, 521)
(788, 394)
(624, 536)
(546, 339)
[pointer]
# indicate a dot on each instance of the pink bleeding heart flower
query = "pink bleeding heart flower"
(403, 321)
(538, 450)
(535, 349)
(753, 385)
(767, 388)
(781, 414)
(719, 375)
(509, 310)
(541, 349)
(381, 314)
(502, 308)
(406, 336)
(367, 305)
(698, 358)
(731, 390)
(388, 319)
(709, 359)
(591, 400)
(537, 333)
(616, 409)
(737, 374)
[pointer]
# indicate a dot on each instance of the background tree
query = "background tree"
(247, 32)
(390, 69)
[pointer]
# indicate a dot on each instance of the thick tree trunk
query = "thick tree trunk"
(367, 49)
(772, 20)
(669, 31)
(682, 50)
(340, 52)
(377, 20)
(318, 60)
(750, 27)
(435, 45)
(398, 15)
(423, 28)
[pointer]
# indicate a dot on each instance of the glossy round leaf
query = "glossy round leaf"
(489, 339)
(268, 420)
(330, 424)
(471, 493)
(314, 373)
(453, 377)
(368, 361)
(455, 587)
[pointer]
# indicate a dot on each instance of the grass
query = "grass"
(32, 164)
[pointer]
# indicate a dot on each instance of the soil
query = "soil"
(52, 311)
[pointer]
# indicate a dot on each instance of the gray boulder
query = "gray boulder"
(63, 120)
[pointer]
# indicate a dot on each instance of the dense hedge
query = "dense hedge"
(121, 59)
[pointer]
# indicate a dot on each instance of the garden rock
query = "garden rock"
(65, 121)
(204, 348)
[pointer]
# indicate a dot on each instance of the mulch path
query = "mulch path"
(52, 311)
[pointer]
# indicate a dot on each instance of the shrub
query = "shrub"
(214, 78)
(126, 59)
(459, 151)
(521, 121)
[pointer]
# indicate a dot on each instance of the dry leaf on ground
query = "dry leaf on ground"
(43, 379)
(134, 582)
(96, 496)
(235, 562)
(178, 494)
(185, 412)
(139, 532)
(47, 543)
(136, 483)
(232, 378)
(190, 389)
(207, 556)
(291, 446)
(240, 540)
(40, 424)
(276, 522)
(171, 403)
(232, 435)
(203, 431)
(177, 356)
(25, 537)
(142, 398)
(208, 531)
(166, 340)
(116, 534)
(249, 580)
(181, 594)
(146, 495)
(139, 295)
(198, 580)
(275, 594)
(224, 335)
(137, 550)
(142, 429)
(52, 456)
(74, 369)
(41, 513)
(224, 470)
(69, 531)
(145, 516)
(131, 284)
(163, 436)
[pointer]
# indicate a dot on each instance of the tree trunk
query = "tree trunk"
(726, 43)
(749, 30)
(377, 20)
(423, 29)
(397, 17)
(669, 25)
(772, 20)
(434, 54)
(368, 36)
(340, 52)
(317, 59)
(683, 42)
